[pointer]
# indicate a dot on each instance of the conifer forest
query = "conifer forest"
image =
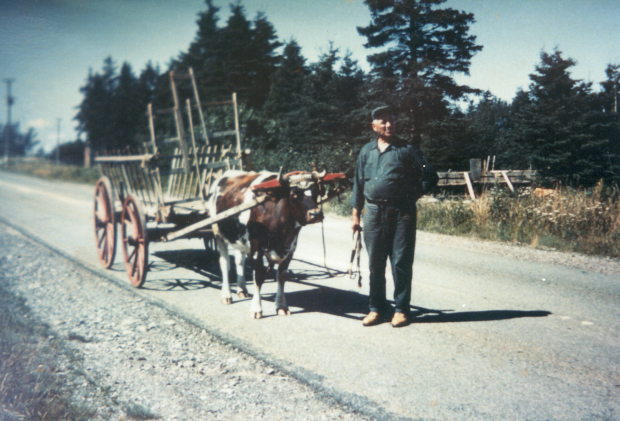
(294, 112)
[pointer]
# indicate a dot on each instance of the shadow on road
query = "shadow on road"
(203, 262)
(426, 316)
(317, 297)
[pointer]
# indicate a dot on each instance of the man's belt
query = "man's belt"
(400, 202)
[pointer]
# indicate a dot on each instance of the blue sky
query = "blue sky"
(48, 46)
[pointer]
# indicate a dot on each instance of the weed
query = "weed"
(30, 387)
(45, 169)
(585, 221)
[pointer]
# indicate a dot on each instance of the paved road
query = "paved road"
(494, 337)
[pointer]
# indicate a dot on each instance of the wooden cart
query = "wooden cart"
(131, 192)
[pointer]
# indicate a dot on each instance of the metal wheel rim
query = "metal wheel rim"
(135, 242)
(105, 224)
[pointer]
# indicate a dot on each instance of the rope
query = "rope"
(325, 248)
(357, 249)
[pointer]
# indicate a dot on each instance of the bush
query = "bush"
(586, 221)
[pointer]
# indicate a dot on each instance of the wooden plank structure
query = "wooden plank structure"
(480, 177)
(132, 191)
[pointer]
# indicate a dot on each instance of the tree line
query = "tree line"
(294, 112)
(14, 142)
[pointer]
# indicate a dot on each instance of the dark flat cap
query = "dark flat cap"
(379, 111)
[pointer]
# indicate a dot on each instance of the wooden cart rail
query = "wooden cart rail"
(465, 178)
(136, 188)
(139, 174)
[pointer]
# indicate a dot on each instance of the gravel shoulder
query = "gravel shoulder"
(118, 356)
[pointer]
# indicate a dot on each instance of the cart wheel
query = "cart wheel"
(135, 241)
(105, 225)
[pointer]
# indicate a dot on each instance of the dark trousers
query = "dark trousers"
(389, 231)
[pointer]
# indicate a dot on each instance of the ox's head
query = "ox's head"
(303, 190)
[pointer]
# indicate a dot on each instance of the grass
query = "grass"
(583, 221)
(43, 168)
(574, 220)
(30, 383)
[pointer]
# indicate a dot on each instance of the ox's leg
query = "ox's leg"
(240, 260)
(256, 309)
(222, 248)
(281, 306)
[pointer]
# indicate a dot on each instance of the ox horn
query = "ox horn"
(319, 175)
(282, 179)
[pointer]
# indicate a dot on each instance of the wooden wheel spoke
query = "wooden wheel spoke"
(102, 239)
(135, 242)
(134, 266)
(105, 254)
(105, 225)
(132, 254)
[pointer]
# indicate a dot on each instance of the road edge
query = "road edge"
(356, 403)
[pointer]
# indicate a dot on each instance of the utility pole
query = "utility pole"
(58, 144)
(616, 95)
(9, 103)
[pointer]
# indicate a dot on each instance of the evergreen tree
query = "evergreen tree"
(113, 111)
(149, 82)
(278, 133)
(96, 108)
(236, 57)
(20, 144)
(486, 125)
(205, 57)
(239, 57)
(262, 60)
(129, 110)
(422, 47)
(309, 113)
(287, 86)
(555, 126)
(607, 126)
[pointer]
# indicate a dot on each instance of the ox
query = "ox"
(268, 230)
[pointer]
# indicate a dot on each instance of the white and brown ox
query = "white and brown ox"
(268, 230)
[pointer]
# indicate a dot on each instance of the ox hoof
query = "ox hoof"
(257, 315)
(284, 312)
(227, 301)
(243, 294)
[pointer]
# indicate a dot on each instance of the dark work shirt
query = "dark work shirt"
(393, 176)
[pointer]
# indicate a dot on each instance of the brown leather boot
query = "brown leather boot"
(372, 319)
(400, 320)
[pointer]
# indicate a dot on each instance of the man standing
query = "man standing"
(390, 176)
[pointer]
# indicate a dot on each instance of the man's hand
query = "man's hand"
(355, 220)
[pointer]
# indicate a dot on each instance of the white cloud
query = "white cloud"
(39, 124)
